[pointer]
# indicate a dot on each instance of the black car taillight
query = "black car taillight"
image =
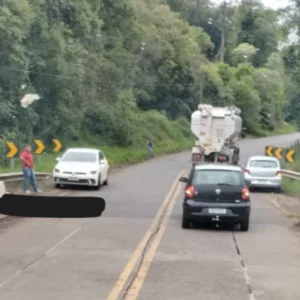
(189, 192)
(245, 194)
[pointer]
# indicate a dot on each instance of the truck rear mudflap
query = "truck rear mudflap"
(40, 206)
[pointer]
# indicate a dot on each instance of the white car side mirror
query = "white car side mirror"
(57, 159)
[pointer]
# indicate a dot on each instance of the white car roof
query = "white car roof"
(262, 157)
(217, 166)
(91, 150)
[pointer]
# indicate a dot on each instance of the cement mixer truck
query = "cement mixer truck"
(218, 130)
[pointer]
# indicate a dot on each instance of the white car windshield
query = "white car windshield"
(263, 164)
(85, 157)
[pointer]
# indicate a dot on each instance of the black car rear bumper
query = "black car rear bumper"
(199, 212)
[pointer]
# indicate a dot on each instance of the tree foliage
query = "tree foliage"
(119, 70)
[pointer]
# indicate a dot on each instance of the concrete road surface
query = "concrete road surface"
(100, 258)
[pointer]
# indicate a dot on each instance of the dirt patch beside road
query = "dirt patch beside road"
(289, 205)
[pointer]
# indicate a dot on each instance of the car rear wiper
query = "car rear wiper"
(224, 183)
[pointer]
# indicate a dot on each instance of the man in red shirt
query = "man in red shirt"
(27, 168)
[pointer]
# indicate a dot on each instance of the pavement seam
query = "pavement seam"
(244, 267)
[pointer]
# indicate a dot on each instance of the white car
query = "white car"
(81, 166)
(263, 172)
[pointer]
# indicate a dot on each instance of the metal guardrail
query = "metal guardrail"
(10, 177)
(291, 174)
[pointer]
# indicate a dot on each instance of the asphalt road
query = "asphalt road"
(93, 258)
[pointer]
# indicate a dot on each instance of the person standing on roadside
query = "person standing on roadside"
(28, 172)
(150, 148)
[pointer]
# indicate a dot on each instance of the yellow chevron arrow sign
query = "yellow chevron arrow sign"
(278, 152)
(12, 149)
(40, 146)
(57, 145)
(290, 155)
(269, 151)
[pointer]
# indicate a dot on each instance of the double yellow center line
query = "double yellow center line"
(157, 230)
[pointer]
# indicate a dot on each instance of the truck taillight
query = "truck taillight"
(189, 192)
(278, 173)
(245, 194)
(246, 171)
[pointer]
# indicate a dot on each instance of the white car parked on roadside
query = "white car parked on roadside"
(81, 166)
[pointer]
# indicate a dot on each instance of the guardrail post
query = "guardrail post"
(12, 164)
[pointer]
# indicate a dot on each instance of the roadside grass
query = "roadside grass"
(290, 186)
(283, 128)
(295, 166)
(115, 155)
(295, 218)
(169, 136)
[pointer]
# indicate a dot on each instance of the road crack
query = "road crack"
(244, 267)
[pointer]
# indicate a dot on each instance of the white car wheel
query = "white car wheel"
(106, 180)
(98, 186)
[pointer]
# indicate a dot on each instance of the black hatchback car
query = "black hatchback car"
(216, 193)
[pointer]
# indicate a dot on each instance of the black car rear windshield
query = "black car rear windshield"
(263, 164)
(226, 177)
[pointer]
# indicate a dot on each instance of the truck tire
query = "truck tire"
(236, 160)
(236, 156)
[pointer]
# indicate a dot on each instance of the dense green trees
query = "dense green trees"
(116, 71)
